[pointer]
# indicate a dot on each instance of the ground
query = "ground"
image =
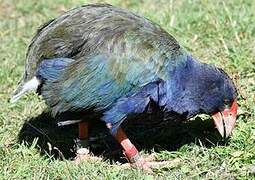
(216, 32)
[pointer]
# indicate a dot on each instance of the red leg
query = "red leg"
(131, 152)
(83, 130)
(83, 153)
(83, 135)
(133, 156)
(82, 143)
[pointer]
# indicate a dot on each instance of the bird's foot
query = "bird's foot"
(142, 163)
(133, 155)
(147, 163)
(83, 154)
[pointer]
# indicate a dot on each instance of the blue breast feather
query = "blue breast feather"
(93, 83)
(100, 89)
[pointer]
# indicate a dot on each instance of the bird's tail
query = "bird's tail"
(23, 88)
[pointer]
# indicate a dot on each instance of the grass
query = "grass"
(217, 32)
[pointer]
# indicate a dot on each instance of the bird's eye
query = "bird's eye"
(227, 103)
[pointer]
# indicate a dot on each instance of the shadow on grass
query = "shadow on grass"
(59, 141)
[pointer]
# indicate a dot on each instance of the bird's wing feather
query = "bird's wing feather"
(115, 53)
(113, 71)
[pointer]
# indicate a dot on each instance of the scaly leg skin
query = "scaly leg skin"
(133, 156)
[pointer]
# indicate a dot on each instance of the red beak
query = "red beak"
(225, 120)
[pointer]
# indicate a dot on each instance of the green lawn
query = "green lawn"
(32, 147)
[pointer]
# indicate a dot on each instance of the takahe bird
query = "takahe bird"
(109, 60)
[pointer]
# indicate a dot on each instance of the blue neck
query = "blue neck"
(175, 94)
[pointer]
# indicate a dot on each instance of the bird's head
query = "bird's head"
(219, 99)
(202, 88)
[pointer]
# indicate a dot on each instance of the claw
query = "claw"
(142, 164)
(149, 163)
(83, 154)
(151, 157)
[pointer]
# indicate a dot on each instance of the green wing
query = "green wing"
(115, 69)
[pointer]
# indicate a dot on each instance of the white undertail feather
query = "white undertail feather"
(31, 85)
(68, 122)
